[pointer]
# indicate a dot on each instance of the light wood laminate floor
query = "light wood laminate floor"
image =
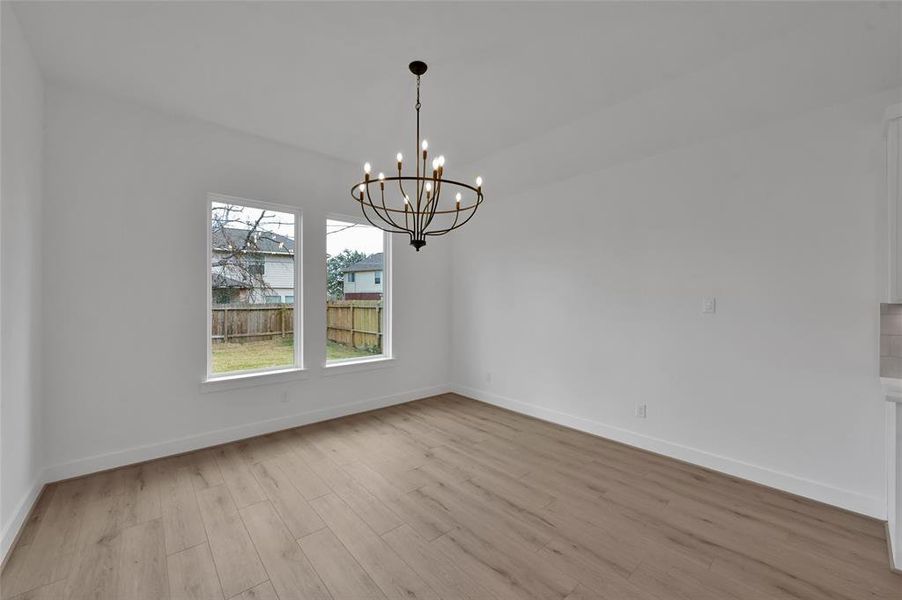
(441, 498)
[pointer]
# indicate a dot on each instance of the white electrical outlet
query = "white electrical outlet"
(640, 411)
(709, 305)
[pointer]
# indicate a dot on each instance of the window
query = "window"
(253, 266)
(357, 307)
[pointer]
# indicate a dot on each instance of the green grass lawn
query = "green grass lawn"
(336, 351)
(278, 352)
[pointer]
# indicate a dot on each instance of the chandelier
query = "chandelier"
(417, 211)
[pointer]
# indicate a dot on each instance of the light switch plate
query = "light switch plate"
(709, 305)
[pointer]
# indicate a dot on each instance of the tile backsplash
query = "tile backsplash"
(891, 340)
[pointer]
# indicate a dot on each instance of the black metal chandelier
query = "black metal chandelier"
(419, 214)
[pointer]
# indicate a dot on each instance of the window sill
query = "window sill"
(355, 365)
(253, 379)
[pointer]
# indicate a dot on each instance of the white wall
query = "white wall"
(578, 299)
(20, 277)
(124, 348)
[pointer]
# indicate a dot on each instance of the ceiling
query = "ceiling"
(332, 77)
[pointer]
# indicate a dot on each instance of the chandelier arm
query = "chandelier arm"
(438, 181)
(384, 208)
(421, 217)
(432, 216)
(367, 217)
(389, 221)
(440, 232)
(401, 184)
(376, 225)
(421, 183)
(406, 203)
(453, 225)
(387, 216)
(431, 202)
(429, 211)
(456, 225)
(438, 186)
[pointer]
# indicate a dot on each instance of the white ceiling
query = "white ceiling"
(332, 77)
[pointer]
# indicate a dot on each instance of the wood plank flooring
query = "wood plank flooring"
(440, 498)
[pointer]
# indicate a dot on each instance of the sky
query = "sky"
(340, 235)
(353, 236)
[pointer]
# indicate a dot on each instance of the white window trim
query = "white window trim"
(388, 357)
(234, 379)
(353, 365)
(246, 379)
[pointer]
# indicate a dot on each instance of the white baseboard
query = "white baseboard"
(120, 458)
(12, 528)
(853, 501)
(895, 551)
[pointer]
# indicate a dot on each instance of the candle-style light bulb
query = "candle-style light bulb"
(479, 182)
(441, 160)
(362, 189)
(457, 197)
(428, 186)
(435, 164)
(406, 200)
(366, 168)
(425, 145)
(381, 176)
(400, 158)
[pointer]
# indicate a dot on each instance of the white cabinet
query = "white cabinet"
(894, 198)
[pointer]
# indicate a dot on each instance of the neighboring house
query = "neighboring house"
(267, 275)
(229, 291)
(363, 280)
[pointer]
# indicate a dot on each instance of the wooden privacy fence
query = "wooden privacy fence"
(356, 323)
(251, 322)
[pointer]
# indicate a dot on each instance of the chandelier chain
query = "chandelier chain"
(418, 92)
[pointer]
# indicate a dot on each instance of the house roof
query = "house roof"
(372, 262)
(221, 281)
(266, 241)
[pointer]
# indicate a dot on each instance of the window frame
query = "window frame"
(297, 305)
(388, 352)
